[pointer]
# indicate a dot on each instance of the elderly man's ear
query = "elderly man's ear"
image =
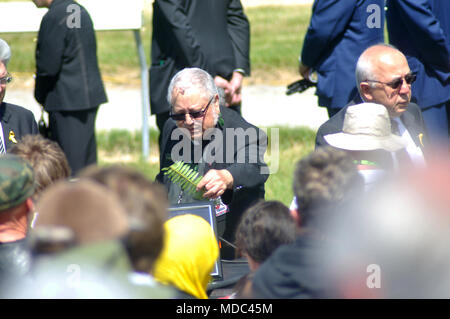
(366, 93)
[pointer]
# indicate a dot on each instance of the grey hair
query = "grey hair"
(5, 52)
(364, 66)
(189, 78)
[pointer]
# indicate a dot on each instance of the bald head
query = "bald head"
(378, 70)
(374, 58)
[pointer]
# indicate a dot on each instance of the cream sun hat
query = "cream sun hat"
(367, 127)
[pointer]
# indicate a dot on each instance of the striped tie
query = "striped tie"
(2, 148)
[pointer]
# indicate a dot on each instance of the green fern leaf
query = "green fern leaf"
(185, 177)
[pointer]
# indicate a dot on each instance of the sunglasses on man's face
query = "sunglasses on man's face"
(194, 115)
(395, 84)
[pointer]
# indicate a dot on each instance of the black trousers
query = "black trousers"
(74, 131)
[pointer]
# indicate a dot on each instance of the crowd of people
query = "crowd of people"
(370, 212)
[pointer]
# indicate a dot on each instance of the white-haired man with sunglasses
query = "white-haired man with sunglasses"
(15, 121)
(216, 142)
(383, 76)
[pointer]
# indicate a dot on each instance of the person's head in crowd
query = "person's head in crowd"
(383, 76)
(47, 159)
(77, 246)
(194, 101)
(83, 212)
(366, 135)
(16, 207)
(16, 189)
(5, 78)
(393, 242)
(189, 254)
(146, 205)
(323, 179)
(263, 228)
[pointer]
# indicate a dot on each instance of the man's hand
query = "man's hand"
(232, 89)
(304, 70)
(215, 182)
(225, 85)
(236, 87)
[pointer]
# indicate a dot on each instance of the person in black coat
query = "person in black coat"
(68, 80)
(212, 35)
(15, 121)
(324, 180)
(216, 142)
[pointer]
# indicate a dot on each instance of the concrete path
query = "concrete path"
(262, 106)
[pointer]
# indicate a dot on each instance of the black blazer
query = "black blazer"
(67, 73)
(249, 174)
(17, 120)
(411, 118)
(213, 35)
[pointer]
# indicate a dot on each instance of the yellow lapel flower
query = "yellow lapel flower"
(421, 139)
(12, 137)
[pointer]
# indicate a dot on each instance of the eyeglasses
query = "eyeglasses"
(395, 84)
(194, 115)
(7, 79)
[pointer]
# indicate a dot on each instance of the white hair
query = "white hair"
(192, 78)
(5, 52)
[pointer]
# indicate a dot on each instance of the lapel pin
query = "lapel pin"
(12, 137)
(421, 139)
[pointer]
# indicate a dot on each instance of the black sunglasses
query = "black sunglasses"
(395, 84)
(7, 79)
(195, 115)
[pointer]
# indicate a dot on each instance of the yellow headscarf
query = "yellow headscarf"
(190, 250)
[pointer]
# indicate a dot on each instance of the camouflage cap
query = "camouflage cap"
(16, 181)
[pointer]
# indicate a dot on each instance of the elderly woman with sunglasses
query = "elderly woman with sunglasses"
(214, 141)
(15, 121)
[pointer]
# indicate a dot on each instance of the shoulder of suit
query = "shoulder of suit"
(60, 8)
(415, 111)
(233, 119)
(333, 124)
(169, 126)
(414, 107)
(16, 109)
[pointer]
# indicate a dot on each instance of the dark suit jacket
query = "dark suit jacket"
(18, 120)
(213, 35)
(411, 118)
(293, 271)
(337, 35)
(67, 72)
(247, 171)
(421, 30)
